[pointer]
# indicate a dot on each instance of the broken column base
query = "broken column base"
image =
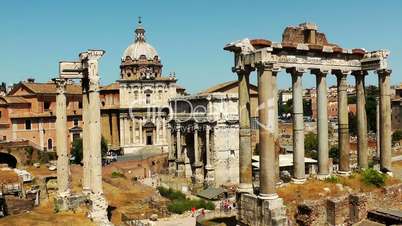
(180, 172)
(98, 212)
(344, 173)
(172, 167)
(257, 211)
(68, 202)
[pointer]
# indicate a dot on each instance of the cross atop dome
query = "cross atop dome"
(139, 32)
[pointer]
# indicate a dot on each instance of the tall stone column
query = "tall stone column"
(171, 156)
(94, 126)
(362, 144)
(276, 123)
(245, 167)
(298, 127)
(99, 204)
(134, 130)
(86, 154)
(266, 114)
(157, 121)
(197, 155)
(179, 159)
(141, 123)
(63, 160)
(385, 121)
(322, 123)
(343, 122)
(209, 168)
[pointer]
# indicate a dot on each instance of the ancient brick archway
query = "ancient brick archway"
(9, 159)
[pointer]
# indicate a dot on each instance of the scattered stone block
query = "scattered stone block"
(337, 211)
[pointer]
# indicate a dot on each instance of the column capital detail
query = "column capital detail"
(320, 72)
(243, 70)
(360, 73)
(341, 73)
(384, 72)
(61, 85)
(296, 71)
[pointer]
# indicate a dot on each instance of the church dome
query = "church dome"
(140, 47)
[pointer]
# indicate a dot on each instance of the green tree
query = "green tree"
(76, 149)
(397, 136)
(311, 145)
(307, 110)
(352, 124)
(334, 154)
(371, 107)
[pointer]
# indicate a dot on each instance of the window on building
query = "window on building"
(28, 124)
(80, 105)
(148, 99)
(49, 144)
(0, 114)
(46, 105)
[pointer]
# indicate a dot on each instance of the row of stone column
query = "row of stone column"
(176, 156)
(267, 93)
(128, 136)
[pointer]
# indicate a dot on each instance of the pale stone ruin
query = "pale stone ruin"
(204, 143)
(86, 69)
(302, 49)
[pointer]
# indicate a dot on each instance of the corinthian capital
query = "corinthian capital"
(61, 85)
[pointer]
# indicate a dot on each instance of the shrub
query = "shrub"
(181, 204)
(117, 174)
(373, 177)
(332, 179)
(397, 136)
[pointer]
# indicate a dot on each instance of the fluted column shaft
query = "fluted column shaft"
(207, 148)
(63, 160)
(197, 156)
(95, 127)
(362, 145)
(266, 114)
(343, 123)
(245, 167)
(385, 121)
(298, 127)
(178, 142)
(322, 123)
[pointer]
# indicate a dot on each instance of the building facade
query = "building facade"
(28, 113)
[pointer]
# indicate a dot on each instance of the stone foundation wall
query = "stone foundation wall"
(348, 209)
(260, 212)
(16, 205)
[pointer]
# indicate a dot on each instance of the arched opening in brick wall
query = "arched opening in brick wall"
(8, 159)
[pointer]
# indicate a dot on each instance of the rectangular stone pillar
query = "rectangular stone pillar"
(322, 123)
(343, 123)
(209, 167)
(266, 114)
(63, 160)
(179, 158)
(133, 131)
(362, 145)
(245, 167)
(298, 127)
(198, 175)
(171, 148)
(385, 121)
(140, 128)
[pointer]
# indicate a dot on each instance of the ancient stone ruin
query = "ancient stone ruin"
(303, 49)
(85, 69)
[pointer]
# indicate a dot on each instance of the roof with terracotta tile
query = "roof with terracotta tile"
(47, 88)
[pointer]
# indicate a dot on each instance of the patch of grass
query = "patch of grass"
(332, 179)
(116, 174)
(373, 177)
(181, 204)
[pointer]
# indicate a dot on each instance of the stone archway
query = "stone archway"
(8, 159)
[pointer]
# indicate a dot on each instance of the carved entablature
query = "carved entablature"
(313, 61)
(307, 52)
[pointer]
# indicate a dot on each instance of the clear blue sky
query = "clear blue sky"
(189, 35)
